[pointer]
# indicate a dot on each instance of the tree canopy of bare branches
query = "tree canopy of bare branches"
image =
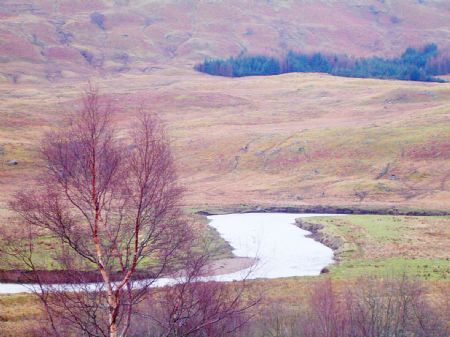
(113, 204)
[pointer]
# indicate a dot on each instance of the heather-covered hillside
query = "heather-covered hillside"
(290, 139)
(63, 39)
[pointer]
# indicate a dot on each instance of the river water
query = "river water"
(281, 249)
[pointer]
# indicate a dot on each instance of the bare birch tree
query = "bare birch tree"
(113, 206)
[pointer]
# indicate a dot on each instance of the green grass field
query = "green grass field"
(46, 249)
(386, 245)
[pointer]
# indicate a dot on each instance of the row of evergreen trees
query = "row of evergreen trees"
(412, 65)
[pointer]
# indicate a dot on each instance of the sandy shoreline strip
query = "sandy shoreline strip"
(229, 265)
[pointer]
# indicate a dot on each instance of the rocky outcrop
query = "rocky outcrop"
(12, 162)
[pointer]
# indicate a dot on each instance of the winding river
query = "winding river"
(281, 249)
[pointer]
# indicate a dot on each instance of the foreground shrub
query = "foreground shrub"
(367, 308)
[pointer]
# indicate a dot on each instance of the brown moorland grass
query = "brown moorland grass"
(291, 139)
(43, 40)
(20, 314)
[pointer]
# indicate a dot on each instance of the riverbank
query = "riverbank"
(61, 276)
(371, 245)
(331, 237)
(265, 245)
(316, 229)
(213, 268)
(382, 245)
(319, 209)
(337, 243)
(371, 241)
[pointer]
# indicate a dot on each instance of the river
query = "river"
(281, 249)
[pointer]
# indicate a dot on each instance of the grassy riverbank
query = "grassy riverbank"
(46, 250)
(386, 244)
(382, 245)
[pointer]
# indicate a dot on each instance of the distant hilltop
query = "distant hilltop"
(73, 38)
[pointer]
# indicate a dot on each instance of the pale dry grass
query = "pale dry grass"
(289, 139)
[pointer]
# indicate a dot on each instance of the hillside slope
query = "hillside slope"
(56, 39)
(288, 139)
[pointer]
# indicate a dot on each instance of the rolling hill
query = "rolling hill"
(297, 139)
(56, 39)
